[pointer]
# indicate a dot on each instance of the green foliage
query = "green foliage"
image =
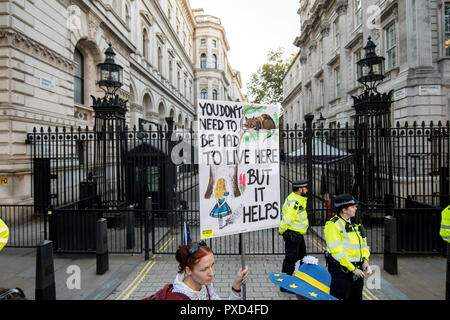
(266, 85)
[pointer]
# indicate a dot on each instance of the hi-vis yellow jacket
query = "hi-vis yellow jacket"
(4, 234)
(294, 215)
(445, 225)
(345, 246)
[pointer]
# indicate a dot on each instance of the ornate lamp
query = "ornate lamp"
(371, 68)
(110, 74)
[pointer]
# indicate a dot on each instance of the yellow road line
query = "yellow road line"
(371, 294)
(365, 295)
(146, 268)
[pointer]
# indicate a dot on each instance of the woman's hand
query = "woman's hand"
(359, 273)
(241, 278)
(366, 267)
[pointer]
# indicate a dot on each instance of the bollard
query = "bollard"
(102, 246)
(148, 208)
(390, 245)
(45, 272)
(130, 227)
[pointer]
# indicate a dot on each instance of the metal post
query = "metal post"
(45, 272)
(242, 250)
(130, 227)
(148, 210)
(102, 246)
(390, 244)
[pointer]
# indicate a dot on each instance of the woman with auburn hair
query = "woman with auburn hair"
(195, 275)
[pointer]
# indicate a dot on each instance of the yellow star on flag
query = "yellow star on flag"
(280, 280)
(293, 286)
(276, 274)
(312, 294)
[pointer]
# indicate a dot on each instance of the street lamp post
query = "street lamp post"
(110, 131)
(372, 129)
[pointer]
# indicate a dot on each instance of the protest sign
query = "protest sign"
(239, 163)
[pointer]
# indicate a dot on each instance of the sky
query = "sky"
(253, 28)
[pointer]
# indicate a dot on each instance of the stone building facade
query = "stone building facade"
(50, 50)
(413, 36)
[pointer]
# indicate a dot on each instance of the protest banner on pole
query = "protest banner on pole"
(239, 163)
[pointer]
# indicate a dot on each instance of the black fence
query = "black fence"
(160, 163)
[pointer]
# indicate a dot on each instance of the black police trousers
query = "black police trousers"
(295, 249)
(343, 286)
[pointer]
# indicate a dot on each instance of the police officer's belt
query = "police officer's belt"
(329, 258)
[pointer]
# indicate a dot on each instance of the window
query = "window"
(78, 77)
(204, 94)
(203, 42)
(170, 71)
(160, 60)
(322, 93)
(447, 29)
(127, 16)
(358, 13)
(145, 44)
(214, 42)
(391, 47)
(203, 61)
(337, 34)
(337, 81)
(214, 95)
(358, 56)
(321, 51)
(214, 61)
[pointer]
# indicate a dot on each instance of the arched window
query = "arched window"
(214, 95)
(203, 61)
(145, 44)
(78, 77)
(204, 94)
(214, 61)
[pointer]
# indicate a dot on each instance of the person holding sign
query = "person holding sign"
(195, 275)
(294, 224)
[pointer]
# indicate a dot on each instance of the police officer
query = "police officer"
(347, 252)
(294, 224)
(4, 234)
(445, 225)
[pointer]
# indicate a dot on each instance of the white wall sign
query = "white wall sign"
(429, 90)
(400, 94)
(47, 84)
(239, 165)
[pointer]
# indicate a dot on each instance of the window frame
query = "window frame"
(214, 61)
(203, 61)
(337, 82)
(390, 46)
(357, 13)
(79, 78)
(204, 94)
(445, 39)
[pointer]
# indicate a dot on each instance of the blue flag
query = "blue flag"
(186, 234)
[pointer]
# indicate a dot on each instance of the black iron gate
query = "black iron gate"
(65, 178)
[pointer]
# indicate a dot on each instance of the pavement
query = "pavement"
(130, 277)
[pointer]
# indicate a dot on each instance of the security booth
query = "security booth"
(145, 172)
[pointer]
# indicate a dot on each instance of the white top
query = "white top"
(180, 287)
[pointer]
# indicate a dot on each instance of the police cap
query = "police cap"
(344, 200)
(300, 183)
